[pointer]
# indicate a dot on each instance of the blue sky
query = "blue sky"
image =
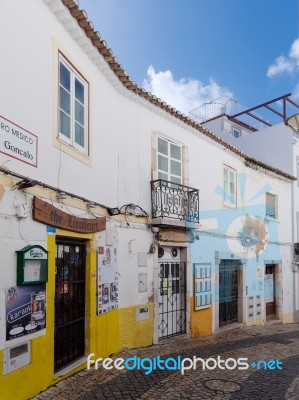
(193, 51)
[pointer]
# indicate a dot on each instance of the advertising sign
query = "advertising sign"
(25, 310)
(107, 279)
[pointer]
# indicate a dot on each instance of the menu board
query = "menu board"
(107, 279)
(25, 310)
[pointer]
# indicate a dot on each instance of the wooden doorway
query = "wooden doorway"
(69, 342)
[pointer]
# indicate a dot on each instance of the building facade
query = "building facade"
(119, 230)
(269, 133)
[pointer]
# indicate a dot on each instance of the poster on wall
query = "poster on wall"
(107, 279)
(25, 310)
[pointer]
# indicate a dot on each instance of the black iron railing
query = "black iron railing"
(173, 200)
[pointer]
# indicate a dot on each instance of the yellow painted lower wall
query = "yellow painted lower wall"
(257, 322)
(28, 381)
(135, 333)
(288, 318)
(201, 321)
(102, 335)
(107, 335)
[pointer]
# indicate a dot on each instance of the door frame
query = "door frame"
(90, 289)
(184, 251)
(219, 256)
(277, 282)
(231, 273)
(66, 241)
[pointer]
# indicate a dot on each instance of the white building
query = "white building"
(265, 133)
(119, 230)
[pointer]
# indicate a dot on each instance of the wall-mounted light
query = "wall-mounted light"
(25, 183)
(293, 122)
(113, 211)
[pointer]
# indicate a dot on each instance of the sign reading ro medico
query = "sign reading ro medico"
(17, 142)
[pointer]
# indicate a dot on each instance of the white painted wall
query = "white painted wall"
(121, 125)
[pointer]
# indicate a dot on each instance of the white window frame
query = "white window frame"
(230, 204)
(169, 158)
(74, 74)
(275, 205)
(202, 286)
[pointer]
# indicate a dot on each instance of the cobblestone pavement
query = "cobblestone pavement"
(274, 341)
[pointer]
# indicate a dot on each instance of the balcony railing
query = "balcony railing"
(172, 200)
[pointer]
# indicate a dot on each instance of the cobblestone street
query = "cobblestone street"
(274, 341)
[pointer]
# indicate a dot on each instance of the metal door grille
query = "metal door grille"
(228, 292)
(172, 299)
(69, 303)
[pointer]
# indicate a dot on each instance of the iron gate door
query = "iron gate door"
(228, 291)
(69, 303)
(172, 299)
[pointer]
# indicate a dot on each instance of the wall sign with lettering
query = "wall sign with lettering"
(46, 213)
(17, 142)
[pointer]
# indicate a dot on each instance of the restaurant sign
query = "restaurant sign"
(46, 213)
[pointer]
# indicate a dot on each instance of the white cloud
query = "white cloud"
(184, 94)
(283, 64)
(295, 92)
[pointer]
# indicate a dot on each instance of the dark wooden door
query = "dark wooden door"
(69, 303)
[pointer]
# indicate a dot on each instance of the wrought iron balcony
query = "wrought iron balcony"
(174, 201)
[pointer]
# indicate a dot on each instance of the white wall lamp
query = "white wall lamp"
(61, 196)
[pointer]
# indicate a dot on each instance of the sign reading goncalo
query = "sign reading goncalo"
(17, 142)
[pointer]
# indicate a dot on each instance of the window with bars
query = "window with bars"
(202, 286)
(73, 107)
(169, 161)
(230, 187)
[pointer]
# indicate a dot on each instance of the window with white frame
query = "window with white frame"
(73, 107)
(169, 161)
(230, 187)
(202, 285)
(271, 205)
